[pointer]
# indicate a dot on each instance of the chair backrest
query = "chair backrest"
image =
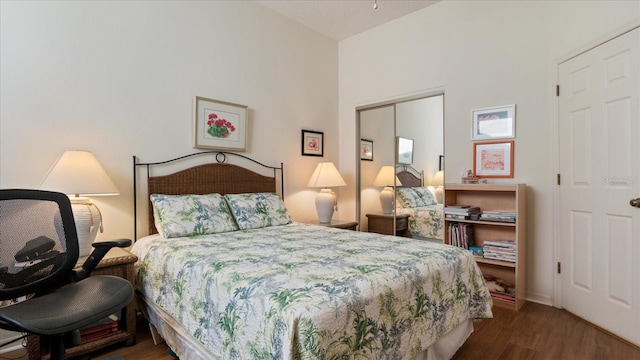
(38, 242)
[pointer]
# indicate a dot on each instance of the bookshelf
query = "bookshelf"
(494, 197)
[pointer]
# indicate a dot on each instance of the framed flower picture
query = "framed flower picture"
(312, 143)
(366, 149)
(219, 125)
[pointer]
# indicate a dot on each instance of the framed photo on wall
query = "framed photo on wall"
(312, 143)
(494, 123)
(493, 159)
(404, 151)
(366, 149)
(219, 125)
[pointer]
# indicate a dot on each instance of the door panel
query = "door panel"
(599, 161)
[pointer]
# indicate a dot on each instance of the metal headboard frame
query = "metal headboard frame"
(220, 158)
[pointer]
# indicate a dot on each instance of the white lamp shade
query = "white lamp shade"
(79, 173)
(325, 176)
(386, 177)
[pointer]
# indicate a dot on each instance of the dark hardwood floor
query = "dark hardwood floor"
(537, 332)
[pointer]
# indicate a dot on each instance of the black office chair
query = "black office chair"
(40, 290)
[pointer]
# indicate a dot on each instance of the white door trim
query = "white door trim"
(557, 299)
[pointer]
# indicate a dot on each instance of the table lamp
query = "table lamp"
(78, 174)
(325, 176)
(387, 177)
(437, 182)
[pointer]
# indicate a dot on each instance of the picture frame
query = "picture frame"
(493, 159)
(404, 150)
(366, 149)
(494, 123)
(219, 125)
(441, 163)
(312, 143)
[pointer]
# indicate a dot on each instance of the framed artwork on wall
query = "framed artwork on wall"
(493, 159)
(494, 123)
(219, 125)
(404, 151)
(366, 149)
(312, 143)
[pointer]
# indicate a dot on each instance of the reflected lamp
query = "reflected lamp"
(437, 182)
(79, 175)
(387, 178)
(326, 176)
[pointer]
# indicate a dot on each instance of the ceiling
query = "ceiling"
(340, 19)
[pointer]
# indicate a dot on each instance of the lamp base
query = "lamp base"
(88, 221)
(325, 202)
(386, 200)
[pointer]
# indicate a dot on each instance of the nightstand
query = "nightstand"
(118, 262)
(340, 224)
(383, 224)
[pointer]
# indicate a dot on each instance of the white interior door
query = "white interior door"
(599, 161)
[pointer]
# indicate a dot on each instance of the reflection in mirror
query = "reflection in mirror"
(408, 135)
(376, 125)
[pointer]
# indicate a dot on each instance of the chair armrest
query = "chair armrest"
(99, 251)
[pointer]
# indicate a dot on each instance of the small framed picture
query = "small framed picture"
(312, 143)
(493, 159)
(494, 123)
(404, 153)
(366, 149)
(219, 125)
(441, 163)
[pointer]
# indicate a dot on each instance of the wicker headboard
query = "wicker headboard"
(409, 176)
(218, 177)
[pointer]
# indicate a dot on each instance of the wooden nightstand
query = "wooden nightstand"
(118, 262)
(383, 224)
(340, 224)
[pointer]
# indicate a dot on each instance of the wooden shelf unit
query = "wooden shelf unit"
(496, 197)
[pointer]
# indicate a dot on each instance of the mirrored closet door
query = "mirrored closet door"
(400, 140)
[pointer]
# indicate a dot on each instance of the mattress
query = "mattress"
(305, 291)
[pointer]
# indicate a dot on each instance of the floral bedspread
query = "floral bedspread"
(301, 291)
(425, 221)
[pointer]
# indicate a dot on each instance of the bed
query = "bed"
(277, 289)
(426, 215)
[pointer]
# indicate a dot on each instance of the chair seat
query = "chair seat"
(72, 307)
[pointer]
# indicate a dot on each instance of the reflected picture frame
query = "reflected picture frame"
(312, 143)
(404, 150)
(219, 125)
(366, 149)
(494, 123)
(493, 159)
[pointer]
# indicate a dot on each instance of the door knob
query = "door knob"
(635, 202)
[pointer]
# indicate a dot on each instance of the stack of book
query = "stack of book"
(461, 212)
(461, 235)
(99, 330)
(500, 250)
(509, 216)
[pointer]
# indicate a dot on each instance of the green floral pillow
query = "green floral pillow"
(427, 197)
(413, 197)
(191, 215)
(257, 210)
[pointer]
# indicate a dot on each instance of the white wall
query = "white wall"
(483, 53)
(118, 78)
